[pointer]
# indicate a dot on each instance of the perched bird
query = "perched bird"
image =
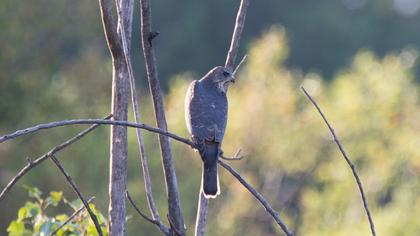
(206, 109)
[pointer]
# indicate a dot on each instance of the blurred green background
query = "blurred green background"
(358, 58)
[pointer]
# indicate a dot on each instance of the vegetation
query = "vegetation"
(373, 103)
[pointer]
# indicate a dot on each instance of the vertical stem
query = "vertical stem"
(201, 221)
(174, 212)
(118, 155)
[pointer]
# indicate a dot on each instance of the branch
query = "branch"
(343, 152)
(236, 37)
(79, 194)
(32, 164)
(174, 205)
(93, 121)
(110, 28)
(77, 212)
(161, 227)
(258, 196)
(201, 220)
(137, 119)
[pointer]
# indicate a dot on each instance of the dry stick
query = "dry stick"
(201, 221)
(239, 66)
(258, 196)
(353, 168)
(77, 212)
(153, 221)
(31, 164)
(93, 121)
(120, 100)
(79, 194)
(174, 205)
(236, 37)
(137, 119)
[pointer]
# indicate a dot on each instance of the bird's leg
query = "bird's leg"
(236, 157)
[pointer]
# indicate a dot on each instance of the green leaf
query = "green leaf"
(16, 228)
(56, 197)
(29, 210)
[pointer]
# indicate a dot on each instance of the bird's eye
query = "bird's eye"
(226, 74)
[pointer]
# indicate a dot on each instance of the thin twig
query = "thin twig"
(236, 157)
(93, 121)
(140, 141)
(174, 205)
(31, 164)
(77, 212)
(201, 219)
(79, 194)
(153, 221)
(236, 37)
(343, 152)
(258, 196)
(239, 66)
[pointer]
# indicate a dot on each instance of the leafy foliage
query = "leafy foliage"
(34, 217)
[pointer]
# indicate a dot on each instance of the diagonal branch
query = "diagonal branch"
(137, 119)
(343, 152)
(79, 194)
(153, 221)
(236, 37)
(174, 205)
(32, 164)
(258, 196)
(76, 213)
(93, 121)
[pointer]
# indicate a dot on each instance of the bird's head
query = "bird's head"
(220, 77)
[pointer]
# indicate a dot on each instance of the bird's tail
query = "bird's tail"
(210, 179)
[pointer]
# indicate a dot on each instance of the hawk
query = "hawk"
(206, 109)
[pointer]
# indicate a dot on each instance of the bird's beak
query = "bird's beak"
(229, 78)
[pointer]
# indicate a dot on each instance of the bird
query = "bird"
(206, 110)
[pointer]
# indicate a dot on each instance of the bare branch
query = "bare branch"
(239, 66)
(31, 164)
(343, 152)
(258, 196)
(201, 219)
(236, 37)
(93, 121)
(137, 119)
(174, 205)
(79, 194)
(110, 28)
(161, 227)
(236, 157)
(77, 212)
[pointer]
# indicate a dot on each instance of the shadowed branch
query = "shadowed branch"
(76, 213)
(31, 164)
(79, 194)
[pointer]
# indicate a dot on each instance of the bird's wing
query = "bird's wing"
(205, 113)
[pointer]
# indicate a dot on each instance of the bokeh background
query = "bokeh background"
(358, 58)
